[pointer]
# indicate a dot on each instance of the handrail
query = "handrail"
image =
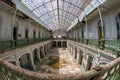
(8, 68)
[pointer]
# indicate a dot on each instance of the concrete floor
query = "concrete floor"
(59, 61)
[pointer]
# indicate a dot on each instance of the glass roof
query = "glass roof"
(60, 14)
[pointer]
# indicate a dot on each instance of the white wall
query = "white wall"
(109, 21)
(6, 26)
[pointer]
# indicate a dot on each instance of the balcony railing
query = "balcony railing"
(109, 71)
(11, 44)
(113, 45)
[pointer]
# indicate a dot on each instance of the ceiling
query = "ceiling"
(60, 14)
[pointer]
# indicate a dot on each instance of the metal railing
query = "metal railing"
(109, 71)
(113, 45)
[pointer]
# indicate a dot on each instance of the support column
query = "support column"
(74, 52)
(101, 19)
(78, 56)
(38, 53)
(32, 62)
(17, 62)
(13, 23)
(86, 29)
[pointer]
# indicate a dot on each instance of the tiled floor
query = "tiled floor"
(69, 66)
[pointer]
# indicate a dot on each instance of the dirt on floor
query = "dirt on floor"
(56, 62)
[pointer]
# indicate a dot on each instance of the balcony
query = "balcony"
(112, 45)
(12, 44)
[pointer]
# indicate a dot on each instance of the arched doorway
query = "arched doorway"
(25, 61)
(89, 62)
(118, 25)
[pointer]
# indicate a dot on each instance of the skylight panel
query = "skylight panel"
(63, 13)
(54, 4)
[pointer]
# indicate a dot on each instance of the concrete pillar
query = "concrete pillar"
(17, 62)
(78, 57)
(43, 50)
(32, 62)
(46, 49)
(71, 49)
(73, 52)
(38, 54)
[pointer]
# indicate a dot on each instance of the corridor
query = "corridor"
(59, 61)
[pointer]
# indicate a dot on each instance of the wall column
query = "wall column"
(38, 53)
(13, 23)
(101, 19)
(78, 56)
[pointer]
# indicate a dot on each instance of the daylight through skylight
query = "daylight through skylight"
(60, 14)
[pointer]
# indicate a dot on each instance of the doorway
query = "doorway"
(34, 34)
(26, 34)
(15, 33)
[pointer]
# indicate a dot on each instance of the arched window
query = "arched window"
(118, 25)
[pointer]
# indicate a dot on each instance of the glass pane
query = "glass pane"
(63, 12)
